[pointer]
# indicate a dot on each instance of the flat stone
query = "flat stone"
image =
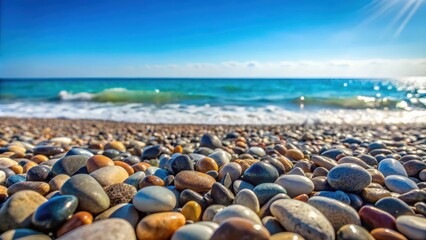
(239, 228)
(391, 166)
(413, 196)
(109, 175)
(193, 232)
(91, 196)
(108, 229)
(125, 211)
(210, 141)
(61, 140)
(373, 195)
(53, 213)
(38, 173)
(135, 179)
(400, 184)
(154, 199)
(394, 206)
(196, 181)
(412, 227)
(299, 217)
(353, 232)
(236, 211)
(349, 177)
(295, 184)
(48, 150)
(159, 226)
(17, 210)
(80, 152)
(337, 195)
(376, 218)
(97, 162)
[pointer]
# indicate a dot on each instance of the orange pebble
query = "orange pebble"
(151, 181)
(126, 167)
(98, 161)
(16, 149)
(3, 193)
(18, 155)
(39, 158)
(142, 166)
(29, 165)
(206, 164)
(77, 220)
(302, 197)
(116, 145)
(178, 149)
(17, 169)
(387, 234)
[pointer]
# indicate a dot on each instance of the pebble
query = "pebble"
(56, 182)
(302, 218)
(70, 165)
(266, 191)
(154, 199)
(79, 152)
(77, 220)
(236, 211)
(412, 227)
(377, 176)
(373, 195)
(337, 195)
(220, 157)
(233, 169)
(413, 196)
(48, 150)
(240, 228)
(181, 163)
(109, 175)
(247, 198)
(91, 196)
(97, 162)
(272, 225)
(256, 151)
(17, 210)
(38, 173)
(210, 141)
(414, 167)
(3, 193)
(152, 152)
(221, 195)
(394, 206)
(387, 234)
(108, 229)
(23, 234)
(239, 185)
(260, 172)
(294, 154)
(211, 211)
(196, 181)
(400, 184)
(124, 211)
(193, 232)
(376, 218)
(349, 177)
(286, 236)
(192, 211)
(159, 226)
(119, 146)
(353, 232)
(206, 164)
(120, 193)
(295, 184)
(53, 213)
(390, 167)
(151, 181)
(40, 187)
(338, 213)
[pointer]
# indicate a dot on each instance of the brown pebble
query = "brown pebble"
(240, 228)
(286, 236)
(387, 234)
(98, 161)
(159, 226)
(376, 218)
(39, 158)
(178, 149)
(17, 169)
(206, 164)
(119, 146)
(57, 182)
(39, 187)
(77, 220)
(151, 181)
(294, 154)
(126, 167)
(141, 167)
(196, 181)
(28, 166)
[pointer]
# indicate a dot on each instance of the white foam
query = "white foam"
(81, 96)
(206, 114)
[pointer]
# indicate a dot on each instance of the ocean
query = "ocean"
(218, 101)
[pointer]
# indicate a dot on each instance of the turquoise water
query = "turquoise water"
(212, 100)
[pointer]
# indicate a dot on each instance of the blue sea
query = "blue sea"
(218, 101)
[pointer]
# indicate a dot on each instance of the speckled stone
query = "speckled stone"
(53, 213)
(154, 199)
(400, 184)
(38, 173)
(159, 226)
(237, 211)
(125, 211)
(91, 196)
(353, 232)
(151, 181)
(239, 228)
(394, 206)
(295, 184)
(108, 229)
(338, 213)
(302, 218)
(70, 165)
(247, 198)
(120, 193)
(412, 227)
(390, 167)
(196, 181)
(349, 177)
(17, 210)
(337, 195)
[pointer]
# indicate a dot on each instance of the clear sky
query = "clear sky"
(212, 38)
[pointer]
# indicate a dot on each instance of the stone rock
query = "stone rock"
(349, 177)
(210, 141)
(236, 211)
(159, 226)
(196, 181)
(247, 198)
(120, 193)
(387, 234)
(412, 227)
(353, 232)
(260, 172)
(391, 166)
(70, 165)
(400, 184)
(295, 184)
(376, 218)
(193, 232)
(125, 211)
(23, 234)
(394, 206)
(108, 229)
(239, 228)
(266, 191)
(154, 199)
(109, 175)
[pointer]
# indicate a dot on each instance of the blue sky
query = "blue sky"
(221, 38)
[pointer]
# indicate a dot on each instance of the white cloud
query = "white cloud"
(306, 68)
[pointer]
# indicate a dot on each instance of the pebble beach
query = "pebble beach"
(95, 179)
